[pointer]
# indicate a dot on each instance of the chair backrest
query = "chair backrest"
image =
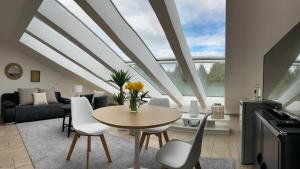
(81, 111)
(163, 102)
(195, 152)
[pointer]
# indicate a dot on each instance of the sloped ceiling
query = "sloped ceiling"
(14, 17)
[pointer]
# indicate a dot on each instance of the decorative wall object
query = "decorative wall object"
(35, 76)
(13, 71)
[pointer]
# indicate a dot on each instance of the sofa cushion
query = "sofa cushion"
(32, 113)
(39, 99)
(25, 95)
(50, 93)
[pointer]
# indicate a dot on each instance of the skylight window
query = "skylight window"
(212, 76)
(203, 23)
(142, 73)
(75, 9)
(141, 17)
(175, 73)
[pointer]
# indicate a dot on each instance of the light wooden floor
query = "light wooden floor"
(13, 154)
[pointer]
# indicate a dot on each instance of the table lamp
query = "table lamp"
(77, 89)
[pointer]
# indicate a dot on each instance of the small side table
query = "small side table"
(67, 113)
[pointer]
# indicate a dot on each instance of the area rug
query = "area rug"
(48, 148)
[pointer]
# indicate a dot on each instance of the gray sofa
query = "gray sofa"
(11, 111)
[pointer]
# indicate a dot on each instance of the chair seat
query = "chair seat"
(91, 128)
(174, 154)
(157, 129)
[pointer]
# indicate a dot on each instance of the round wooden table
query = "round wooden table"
(146, 117)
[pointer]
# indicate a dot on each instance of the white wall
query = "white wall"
(52, 75)
(253, 27)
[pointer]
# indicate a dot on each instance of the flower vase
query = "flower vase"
(133, 104)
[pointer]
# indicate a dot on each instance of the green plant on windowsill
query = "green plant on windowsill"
(120, 77)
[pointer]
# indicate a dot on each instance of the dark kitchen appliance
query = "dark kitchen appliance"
(277, 143)
(247, 126)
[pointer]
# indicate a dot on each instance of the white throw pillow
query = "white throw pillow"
(50, 94)
(39, 99)
(98, 94)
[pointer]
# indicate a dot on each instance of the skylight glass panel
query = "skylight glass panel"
(176, 75)
(203, 24)
(141, 17)
(49, 53)
(290, 77)
(75, 9)
(212, 76)
(142, 73)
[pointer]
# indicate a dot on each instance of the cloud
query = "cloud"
(199, 11)
(203, 23)
(141, 17)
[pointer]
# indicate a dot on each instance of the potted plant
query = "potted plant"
(136, 95)
(120, 77)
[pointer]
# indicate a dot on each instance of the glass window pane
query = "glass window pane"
(141, 17)
(142, 73)
(175, 73)
(75, 9)
(288, 79)
(203, 23)
(212, 76)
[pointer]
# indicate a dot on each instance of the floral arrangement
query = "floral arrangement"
(135, 95)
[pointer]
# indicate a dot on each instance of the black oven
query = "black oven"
(277, 144)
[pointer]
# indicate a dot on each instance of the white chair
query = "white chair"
(85, 125)
(158, 131)
(178, 154)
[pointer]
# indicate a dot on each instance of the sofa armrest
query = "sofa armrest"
(8, 104)
(64, 100)
(9, 115)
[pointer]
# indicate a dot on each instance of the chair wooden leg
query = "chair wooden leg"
(147, 141)
(105, 147)
(159, 139)
(166, 136)
(88, 152)
(198, 166)
(142, 140)
(76, 136)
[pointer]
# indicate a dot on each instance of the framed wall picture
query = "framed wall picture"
(35, 76)
(13, 71)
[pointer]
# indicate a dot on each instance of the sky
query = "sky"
(203, 23)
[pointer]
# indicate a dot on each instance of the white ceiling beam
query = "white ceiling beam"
(80, 34)
(65, 46)
(59, 59)
(168, 17)
(109, 19)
